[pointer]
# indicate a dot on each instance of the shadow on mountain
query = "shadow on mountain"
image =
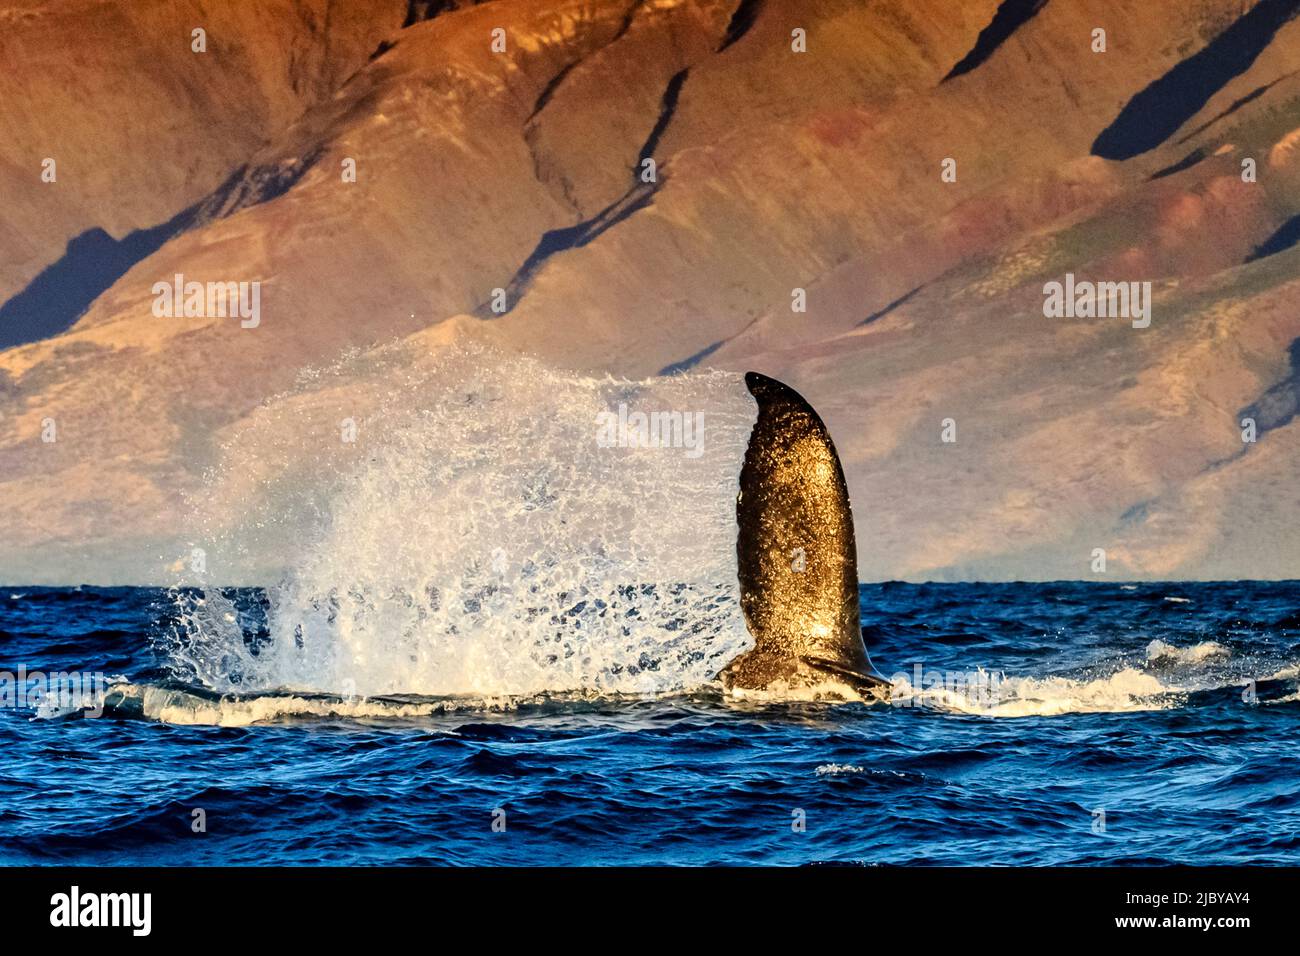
(742, 21)
(1009, 18)
(1235, 105)
(900, 301)
(568, 238)
(420, 11)
(690, 362)
(1278, 406)
(60, 295)
(1287, 235)
(1156, 113)
(667, 109)
(1187, 162)
(638, 196)
(94, 260)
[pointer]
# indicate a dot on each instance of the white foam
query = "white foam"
(829, 690)
(1288, 699)
(1159, 650)
(173, 706)
(485, 544)
(1124, 691)
(1285, 673)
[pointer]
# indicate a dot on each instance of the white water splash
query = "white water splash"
(175, 706)
(1205, 650)
(482, 542)
(1126, 690)
(1161, 680)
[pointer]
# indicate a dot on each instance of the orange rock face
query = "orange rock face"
(648, 182)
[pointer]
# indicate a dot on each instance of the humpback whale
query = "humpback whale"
(797, 558)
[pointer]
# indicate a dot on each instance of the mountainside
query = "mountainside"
(795, 146)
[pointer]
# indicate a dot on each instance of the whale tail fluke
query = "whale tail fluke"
(797, 556)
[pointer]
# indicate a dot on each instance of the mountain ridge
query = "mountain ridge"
(774, 171)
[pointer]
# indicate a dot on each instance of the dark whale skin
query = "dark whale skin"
(797, 557)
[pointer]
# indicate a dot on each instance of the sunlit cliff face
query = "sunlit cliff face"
(866, 201)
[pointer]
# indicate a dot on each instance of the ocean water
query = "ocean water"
(1070, 723)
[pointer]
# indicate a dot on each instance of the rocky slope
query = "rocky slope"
(775, 170)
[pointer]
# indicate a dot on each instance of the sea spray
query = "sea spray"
(474, 537)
